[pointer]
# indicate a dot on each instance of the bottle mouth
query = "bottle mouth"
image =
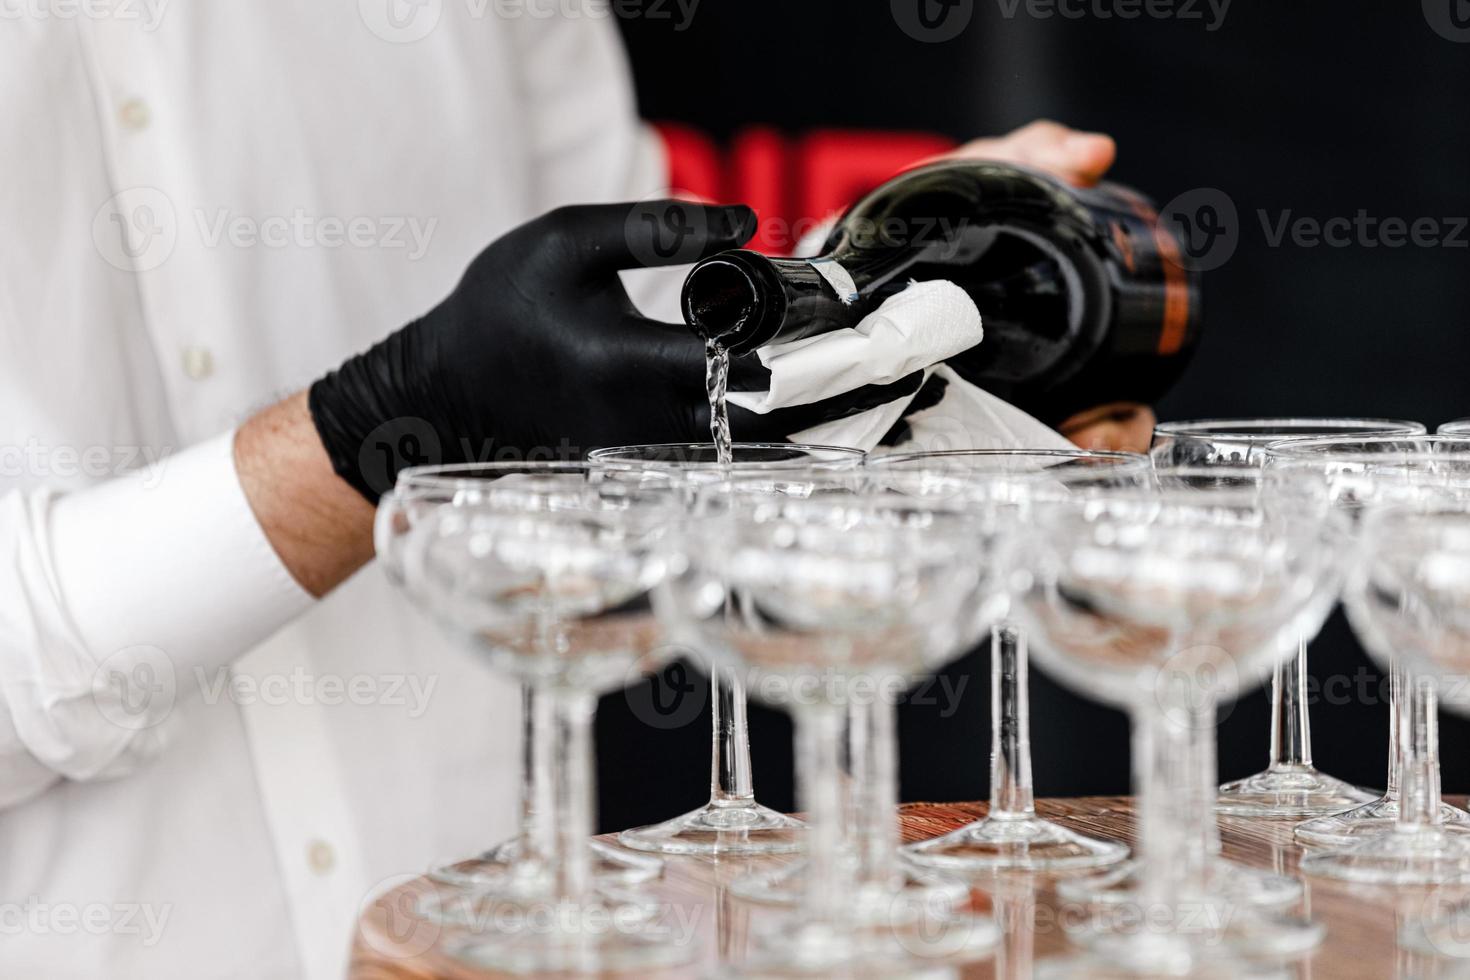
(725, 299)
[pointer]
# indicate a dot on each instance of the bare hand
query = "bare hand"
(1120, 427)
(1075, 156)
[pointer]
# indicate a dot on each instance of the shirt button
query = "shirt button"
(321, 857)
(134, 114)
(198, 363)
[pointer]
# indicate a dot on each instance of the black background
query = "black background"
(1318, 108)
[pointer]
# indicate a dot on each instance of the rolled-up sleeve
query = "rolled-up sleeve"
(121, 600)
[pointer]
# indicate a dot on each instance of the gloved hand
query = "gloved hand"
(539, 353)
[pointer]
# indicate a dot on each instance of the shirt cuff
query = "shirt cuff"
(171, 557)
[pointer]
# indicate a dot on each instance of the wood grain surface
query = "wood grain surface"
(393, 943)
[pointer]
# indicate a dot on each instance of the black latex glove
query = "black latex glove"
(539, 354)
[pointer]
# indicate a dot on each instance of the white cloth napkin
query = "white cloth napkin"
(918, 329)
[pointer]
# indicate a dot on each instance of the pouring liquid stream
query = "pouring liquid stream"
(716, 383)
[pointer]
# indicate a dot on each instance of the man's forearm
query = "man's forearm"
(321, 527)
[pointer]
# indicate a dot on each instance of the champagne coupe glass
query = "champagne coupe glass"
(822, 603)
(1409, 600)
(871, 844)
(1459, 427)
(732, 822)
(1161, 604)
(1360, 474)
(517, 866)
(1227, 882)
(1290, 787)
(1010, 836)
(559, 599)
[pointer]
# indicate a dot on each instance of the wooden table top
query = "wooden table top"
(392, 943)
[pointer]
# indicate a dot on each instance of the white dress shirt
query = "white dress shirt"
(203, 773)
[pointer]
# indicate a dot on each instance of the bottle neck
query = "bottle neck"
(742, 300)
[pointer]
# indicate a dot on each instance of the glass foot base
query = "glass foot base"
(1198, 938)
(1226, 883)
(1176, 965)
(927, 948)
(1369, 820)
(1441, 933)
(1018, 842)
(601, 936)
(1289, 793)
(501, 871)
(1420, 856)
(907, 895)
(720, 828)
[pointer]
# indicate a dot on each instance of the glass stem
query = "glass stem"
(1396, 693)
(1165, 749)
(730, 769)
(1206, 846)
(859, 752)
(1291, 731)
(1011, 792)
(537, 752)
(1418, 730)
(572, 778)
(876, 799)
(818, 764)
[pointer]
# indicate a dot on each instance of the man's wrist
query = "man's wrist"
(320, 526)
